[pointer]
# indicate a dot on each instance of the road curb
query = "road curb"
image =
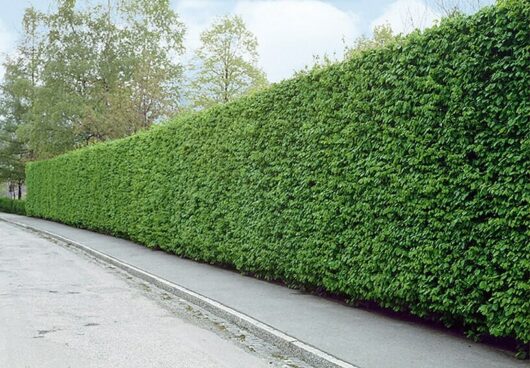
(293, 346)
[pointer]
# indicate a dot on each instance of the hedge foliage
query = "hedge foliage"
(9, 205)
(400, 177)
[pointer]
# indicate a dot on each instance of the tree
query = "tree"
(97, 72)
(12, 157)
(225, 65)
(17, 95)
(382, 36)
(13, 151)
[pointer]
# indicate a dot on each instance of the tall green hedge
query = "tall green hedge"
(400, 177)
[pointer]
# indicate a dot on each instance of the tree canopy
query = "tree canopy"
(225, 65)
(93, 72)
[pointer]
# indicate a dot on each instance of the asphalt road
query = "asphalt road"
(60, 308)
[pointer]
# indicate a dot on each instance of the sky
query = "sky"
(289, 32)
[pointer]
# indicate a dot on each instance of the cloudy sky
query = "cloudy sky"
(289, 32)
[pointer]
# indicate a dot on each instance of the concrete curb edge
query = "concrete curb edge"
(287, 343)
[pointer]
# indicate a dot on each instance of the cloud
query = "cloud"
(406, 15)
(290, 32)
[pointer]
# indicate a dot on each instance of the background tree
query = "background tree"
(225, 65)
(12, 156)
(96, 72)
(382, 36)
(17, 95)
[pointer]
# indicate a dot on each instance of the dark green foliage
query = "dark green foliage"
(9, 205)
(400, 177)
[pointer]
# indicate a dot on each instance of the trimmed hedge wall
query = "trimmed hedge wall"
(399, 177)
(12, 206)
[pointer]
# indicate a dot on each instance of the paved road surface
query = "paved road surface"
(59, 308)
